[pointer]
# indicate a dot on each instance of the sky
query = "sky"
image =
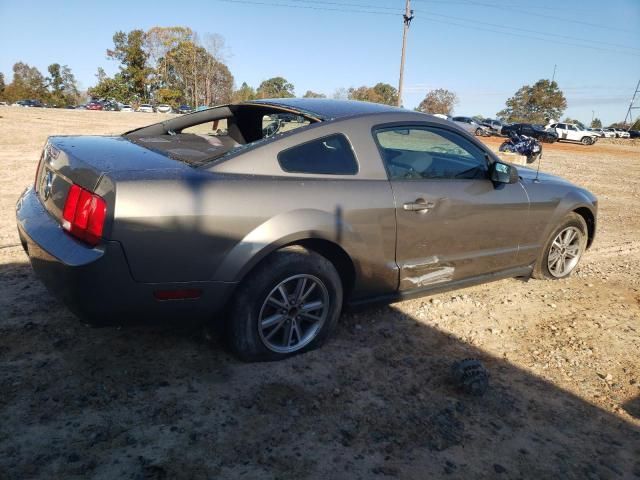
(483, 50)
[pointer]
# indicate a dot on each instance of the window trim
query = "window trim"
(317, 139)
(488, 155)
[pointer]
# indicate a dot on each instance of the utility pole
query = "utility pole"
(631, 107)
(553, 78)
(406, 18)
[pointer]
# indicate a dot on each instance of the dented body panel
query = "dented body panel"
(172, 223)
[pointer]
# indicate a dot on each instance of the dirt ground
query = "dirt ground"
(377, 401)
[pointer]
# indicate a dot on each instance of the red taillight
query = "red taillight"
(84, 214)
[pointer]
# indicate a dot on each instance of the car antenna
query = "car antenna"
(538, 170)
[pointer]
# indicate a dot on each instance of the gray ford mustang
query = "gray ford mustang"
(274, 214)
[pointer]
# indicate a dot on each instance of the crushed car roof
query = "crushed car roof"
(328, 109)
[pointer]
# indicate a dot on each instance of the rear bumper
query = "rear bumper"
(96, 283)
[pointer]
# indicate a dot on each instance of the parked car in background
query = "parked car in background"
(634, 133)
(164, 108)
(361, 203)
(110, 106)
(572, 132)
(185, 109)
(531, 130)
(94, 106)
(28, 103)
(494, 125)
(602, 132)
(126, 108)
(621, 133)
(4, 104)
(472, 126)
(145, 108)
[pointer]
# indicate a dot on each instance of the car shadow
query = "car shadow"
(377, 400)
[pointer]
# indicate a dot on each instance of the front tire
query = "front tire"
(563, 250)
(288, 305)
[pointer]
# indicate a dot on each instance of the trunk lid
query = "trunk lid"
(84, 160)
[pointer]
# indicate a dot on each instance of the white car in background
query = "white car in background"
(126, 108)
(573, 133)
(621, 133)
(602, 133)
(164, 108)
(145, 108)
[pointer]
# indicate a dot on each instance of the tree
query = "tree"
(539, 103)
(28, 83)
(134, 71)
(2, 85)
(636, 125)
(440, 101)
(596, 123)
(244, 93)
(340, 94)
(200, 77)
(62, 85)
(112, 88)
(380, 93)
(276, 87)
(311, 94)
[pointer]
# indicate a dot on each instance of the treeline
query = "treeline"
(175, 65)
(59, 88)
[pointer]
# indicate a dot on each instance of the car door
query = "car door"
(561, 130)
(573, 134)
(452, 221)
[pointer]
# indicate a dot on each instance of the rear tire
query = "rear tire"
(586, 141)
(558, 258)
(277, 313)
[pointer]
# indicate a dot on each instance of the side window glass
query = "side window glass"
(330, 155)
(414, 153)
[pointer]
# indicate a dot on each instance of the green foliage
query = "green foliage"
(380, 93)
(28, 83)
(2, 85)
(535, 104)
(134, 71)
(276, 87)
(62, 85)
(244, 93)
(440, 101)
(636, 125)
(596, 123)
(115, 88)
(311, 94)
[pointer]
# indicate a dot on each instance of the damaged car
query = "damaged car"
(271, 216)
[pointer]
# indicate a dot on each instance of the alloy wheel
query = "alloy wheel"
(293, 313)
(565, 252)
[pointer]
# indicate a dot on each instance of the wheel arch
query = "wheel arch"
(590, 220)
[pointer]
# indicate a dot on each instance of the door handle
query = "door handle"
(418, 206)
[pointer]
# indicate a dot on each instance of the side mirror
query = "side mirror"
(503, 173)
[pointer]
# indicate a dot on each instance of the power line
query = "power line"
(538, 32)
(554, 17)
(307, 7)
(532, 37)
(369, 6)
(320, 5)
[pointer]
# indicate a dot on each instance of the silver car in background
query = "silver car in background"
(272, 215)
(472, 126)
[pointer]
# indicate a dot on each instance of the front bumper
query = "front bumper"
(96, 283)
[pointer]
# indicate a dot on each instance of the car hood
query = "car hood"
(529, 174)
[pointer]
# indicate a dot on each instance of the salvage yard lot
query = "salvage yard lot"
(376, 401)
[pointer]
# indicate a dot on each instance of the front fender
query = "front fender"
(574, 199)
